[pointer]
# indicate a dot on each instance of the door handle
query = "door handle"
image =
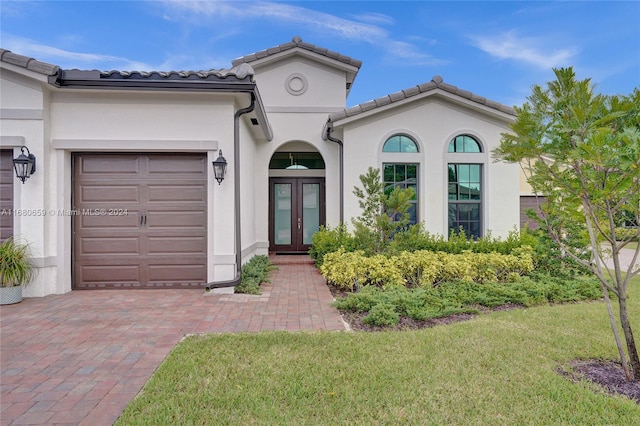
(141, 218)
(299, 224)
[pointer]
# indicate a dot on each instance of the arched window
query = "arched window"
(465, 187)
(464, 143)
(401, 174)
(400, 143)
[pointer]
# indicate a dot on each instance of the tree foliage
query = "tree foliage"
(581, 152)
(382, 214)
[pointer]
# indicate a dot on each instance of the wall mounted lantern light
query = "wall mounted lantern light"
(219, 168)
(25, 165)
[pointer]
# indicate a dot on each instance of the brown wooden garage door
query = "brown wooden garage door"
(6, 194)
(139, 220)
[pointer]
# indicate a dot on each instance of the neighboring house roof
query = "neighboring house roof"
(297, 47)
(28, 63)
(434, 86)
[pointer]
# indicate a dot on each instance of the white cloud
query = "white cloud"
(524, 49)
(68, 59)
(367, 31)
(375, 18)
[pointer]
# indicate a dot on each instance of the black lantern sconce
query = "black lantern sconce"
(25, 165)
(219, 168)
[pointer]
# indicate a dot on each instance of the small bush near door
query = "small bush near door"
(255, 272)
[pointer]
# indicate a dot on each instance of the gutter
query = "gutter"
(329, 127)
(236, 177)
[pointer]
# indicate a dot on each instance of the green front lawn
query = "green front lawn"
(498, 368)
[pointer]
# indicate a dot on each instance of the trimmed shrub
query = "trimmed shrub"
(415, 238)
(464, 297)
(423, 268)
(382, 314)
(328, 240)
(255, 272)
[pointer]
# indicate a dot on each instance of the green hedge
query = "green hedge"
(385, 307)
(255, 272)
(423, 268)
(415, 238)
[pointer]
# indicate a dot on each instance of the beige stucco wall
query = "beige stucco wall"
(156, 122)
(299, 82)
(433, 122)
(54, 123)
(24, 121)
(297, 120)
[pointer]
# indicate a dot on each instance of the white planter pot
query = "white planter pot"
(10, 295)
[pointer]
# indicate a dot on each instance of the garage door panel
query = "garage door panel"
(105, 246)
(182, 166)
(91, 274)
(176, 219)
(172, 193)
(6, 193)
(175, 273)
(176, 245)
(110, 195)
(160, 240)
(109, 166)
(93, 219)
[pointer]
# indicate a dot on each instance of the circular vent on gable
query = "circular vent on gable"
(296, 84)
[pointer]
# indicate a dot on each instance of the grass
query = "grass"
(499, 368)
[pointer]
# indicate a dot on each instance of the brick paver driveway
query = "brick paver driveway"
(79, 358)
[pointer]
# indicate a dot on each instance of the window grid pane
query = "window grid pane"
(400, 143)
(402, 176)
(465, 196)
(464, 143)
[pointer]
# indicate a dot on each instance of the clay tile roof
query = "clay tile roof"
(297, 42)
(240, 72)
(436, 83)
(28, 63)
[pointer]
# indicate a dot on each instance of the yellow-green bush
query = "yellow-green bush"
(424, 268)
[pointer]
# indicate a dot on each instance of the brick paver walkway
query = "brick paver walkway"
(79, 358)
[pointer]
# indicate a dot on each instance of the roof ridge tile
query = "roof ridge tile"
(28, 63)
(296, 42)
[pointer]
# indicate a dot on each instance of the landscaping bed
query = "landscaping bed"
(608, 375)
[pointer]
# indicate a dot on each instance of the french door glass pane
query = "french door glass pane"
(310, 211)
(282, 216)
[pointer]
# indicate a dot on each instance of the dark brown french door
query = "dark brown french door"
(296, 212)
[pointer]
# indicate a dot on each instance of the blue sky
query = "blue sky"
(495, 49)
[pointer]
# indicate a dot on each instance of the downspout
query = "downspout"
(236, 176)
(339, 142)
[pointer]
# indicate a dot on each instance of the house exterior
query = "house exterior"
(123, 195)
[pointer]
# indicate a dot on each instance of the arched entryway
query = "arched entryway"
(296, 197)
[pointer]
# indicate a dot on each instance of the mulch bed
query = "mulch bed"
(354, 319)
(607, 374)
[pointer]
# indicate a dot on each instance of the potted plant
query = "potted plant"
(16, 270)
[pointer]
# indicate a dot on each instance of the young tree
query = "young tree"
(581, 151)
(384, 212)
